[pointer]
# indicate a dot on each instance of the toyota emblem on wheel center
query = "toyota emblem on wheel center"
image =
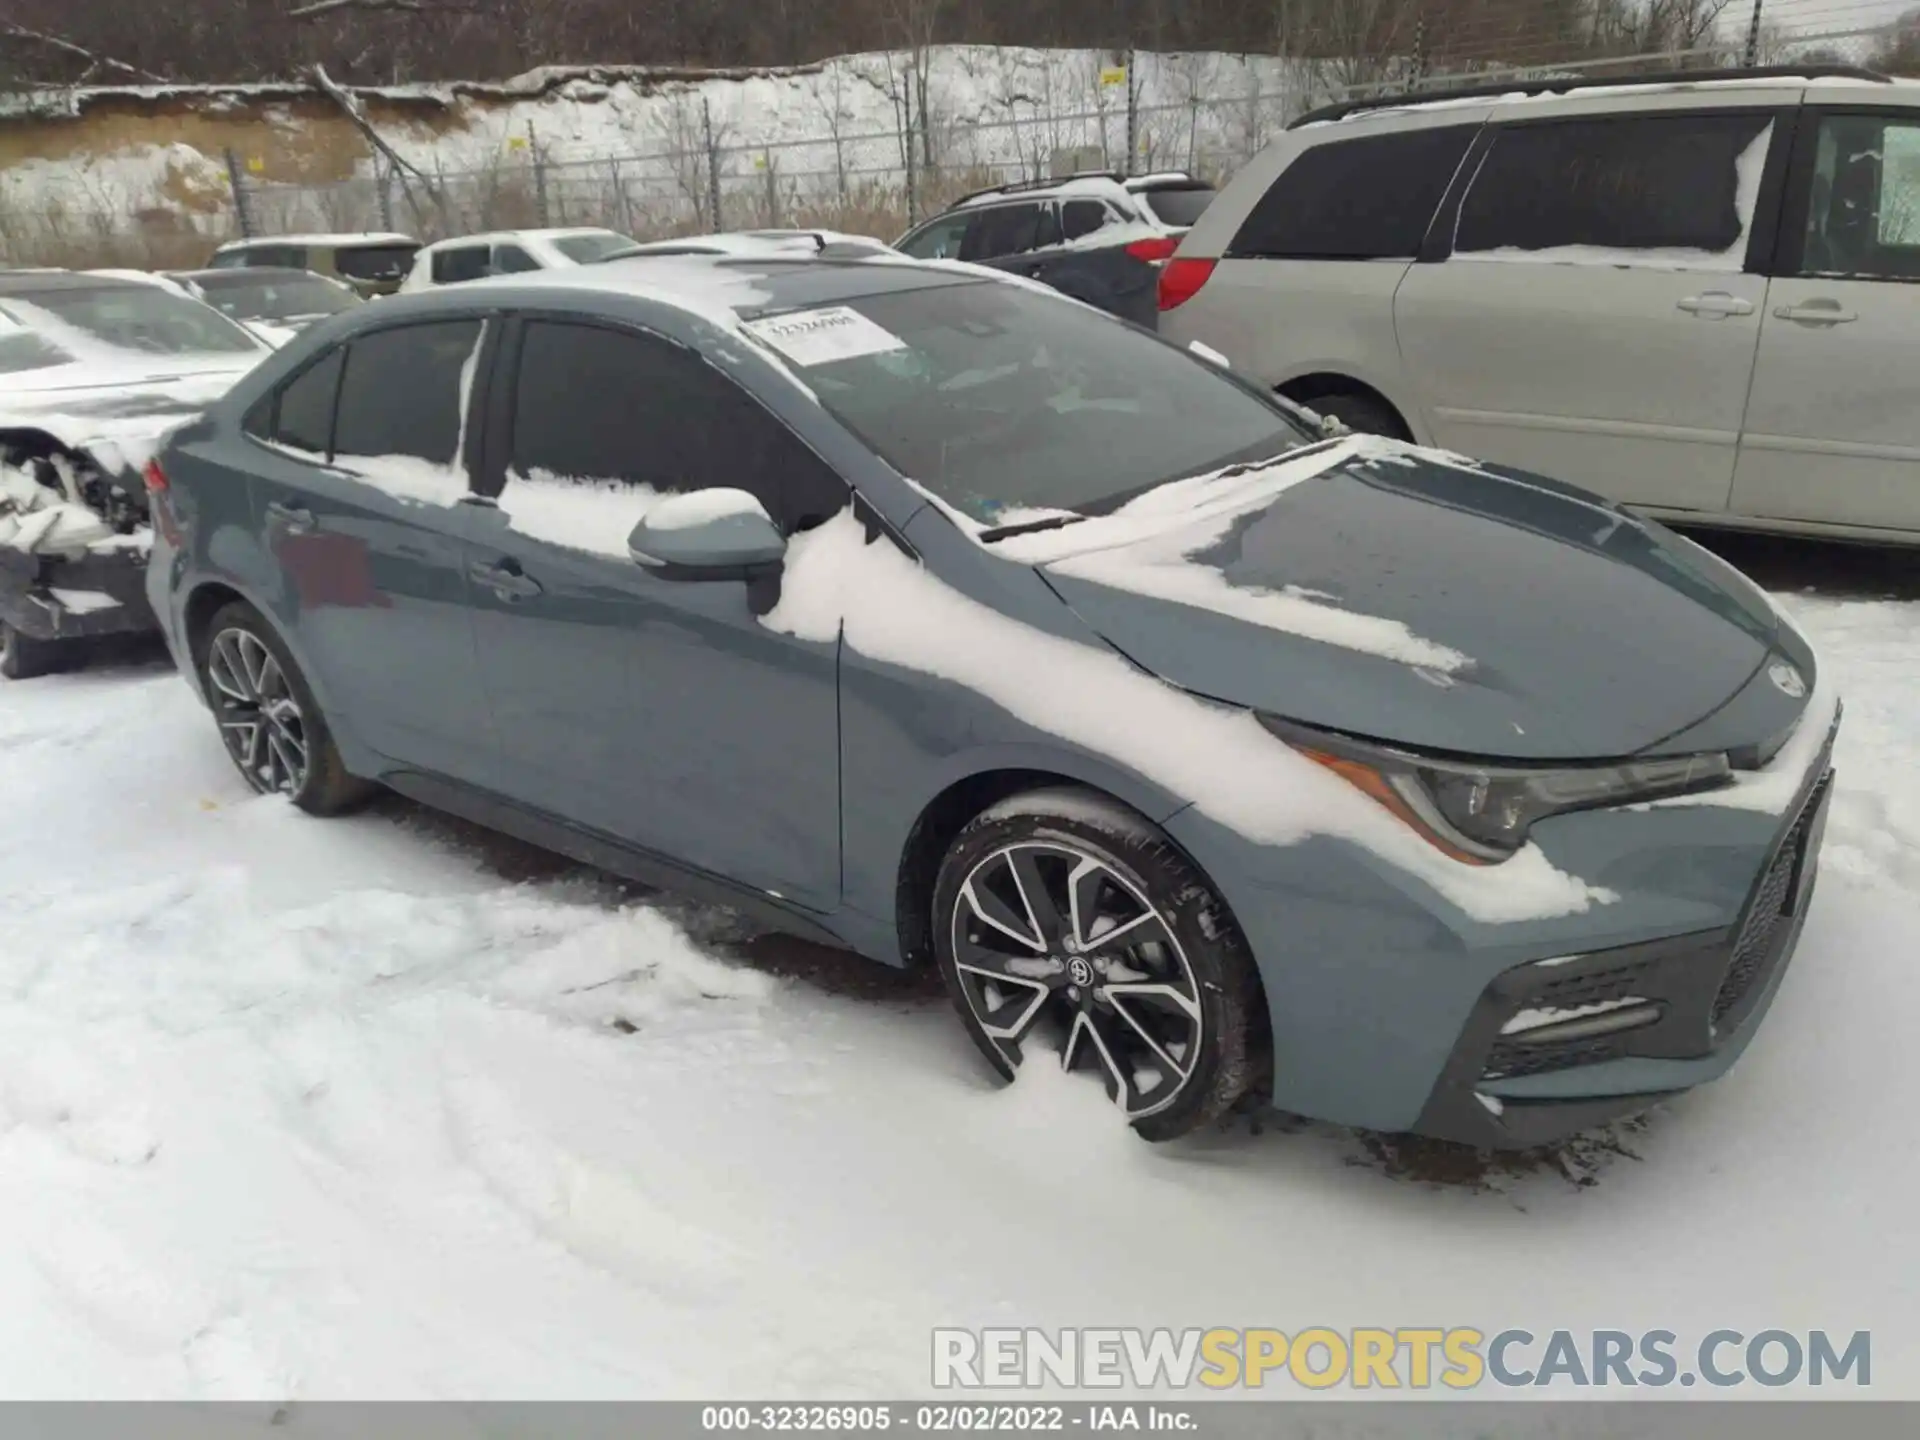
(1787, 679)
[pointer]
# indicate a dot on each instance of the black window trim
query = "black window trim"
(489, 479)
(1763, 230)
(1789, 253)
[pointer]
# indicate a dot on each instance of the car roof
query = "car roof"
(1557, 92)
(747, 287)
(252, 275)
(366, 237)
(42, 282)
(560, 232)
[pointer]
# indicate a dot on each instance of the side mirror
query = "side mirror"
(707, 535)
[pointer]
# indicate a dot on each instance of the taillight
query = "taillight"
(155, 477)
(1154, 249)
(1180, 281)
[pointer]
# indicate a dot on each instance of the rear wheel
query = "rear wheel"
(1064, 921)
(269, 721)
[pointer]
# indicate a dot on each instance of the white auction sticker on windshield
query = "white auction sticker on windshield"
(820, 337)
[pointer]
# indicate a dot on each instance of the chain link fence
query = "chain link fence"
(876, 180)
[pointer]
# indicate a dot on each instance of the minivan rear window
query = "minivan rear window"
(1370, 198)
(373, 262)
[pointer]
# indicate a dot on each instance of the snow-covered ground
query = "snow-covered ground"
(331, 1108)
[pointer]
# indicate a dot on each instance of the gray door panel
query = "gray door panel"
(660, 712)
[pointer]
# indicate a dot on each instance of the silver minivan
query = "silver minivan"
(1700, 297)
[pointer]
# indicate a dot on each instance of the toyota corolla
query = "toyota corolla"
(1213, 752)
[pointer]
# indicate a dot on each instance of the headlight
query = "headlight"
(1481, 812)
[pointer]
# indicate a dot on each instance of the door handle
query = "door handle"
(1815, 312)
(1716, 305)
(294, 519)
(507, 580)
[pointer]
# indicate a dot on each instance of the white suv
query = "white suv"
(1700, 298)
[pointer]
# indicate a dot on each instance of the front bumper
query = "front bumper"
(1561, 1045)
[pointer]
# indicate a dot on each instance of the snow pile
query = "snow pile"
(1007, 110)
(304, 1109)
(40, 520)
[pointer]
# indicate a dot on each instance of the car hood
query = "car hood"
(116, 414)
(1422, 599)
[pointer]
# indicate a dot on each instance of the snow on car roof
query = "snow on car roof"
(366, 237)
(29, 282)
(745, 286)
(560, 232)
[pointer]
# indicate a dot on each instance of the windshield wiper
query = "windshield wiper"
(1026, 527)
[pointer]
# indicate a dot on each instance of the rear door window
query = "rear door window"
(1642, 183)
(403, 396)
(1001, 230)
(1365, 199)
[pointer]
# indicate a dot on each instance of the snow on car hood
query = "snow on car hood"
(1414, 597)
(118, 412)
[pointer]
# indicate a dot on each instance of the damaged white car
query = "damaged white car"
(93, 371)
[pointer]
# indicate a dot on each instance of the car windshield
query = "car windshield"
(146, 318)
(1001, 400)
(1182, 205)
(243, 296)
(585, 249)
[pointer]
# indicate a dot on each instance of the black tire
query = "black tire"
(23, 657)
(1093, 996)
(261, 735)
(1368, 414)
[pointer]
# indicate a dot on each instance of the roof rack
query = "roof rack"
(1559, 85)
(1013, 187)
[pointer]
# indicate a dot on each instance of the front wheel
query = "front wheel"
(1061, 916)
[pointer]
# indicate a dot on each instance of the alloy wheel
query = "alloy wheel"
(260, 717)
(1046, 936)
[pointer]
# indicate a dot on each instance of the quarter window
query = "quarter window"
(301, 415)
(1003, 230)
(512, 260)
(1647, 182)
(1365, 199)
(403, 392)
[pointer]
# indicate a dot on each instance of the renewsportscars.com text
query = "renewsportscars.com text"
(1400, 1358)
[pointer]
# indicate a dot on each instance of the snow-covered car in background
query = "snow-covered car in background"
(510, 252)
(1101, 238)
(93, 371)
(749, 244)
(373, 263)
(274, 304)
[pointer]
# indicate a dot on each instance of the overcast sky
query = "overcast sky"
(1816, 16)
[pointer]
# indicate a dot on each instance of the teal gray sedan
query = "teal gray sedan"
(1206, 749)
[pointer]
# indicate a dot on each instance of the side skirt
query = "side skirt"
(590, 847)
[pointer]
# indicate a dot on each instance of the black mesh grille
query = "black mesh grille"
(1753, 949)
(1507, 1060)
(1594, 987)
